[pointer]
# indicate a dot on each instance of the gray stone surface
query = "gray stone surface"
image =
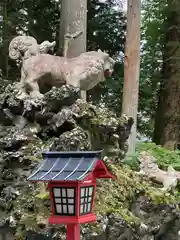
(61, 122)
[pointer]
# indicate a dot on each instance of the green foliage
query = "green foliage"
(43, 195)
(39, 19)
(153, 15)
(109, 93)
(106, 27)
(43, 19)
(106, 30)
(163, 156)
(131, 160)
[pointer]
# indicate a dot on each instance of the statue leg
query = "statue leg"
(22, 87)
(34, 90)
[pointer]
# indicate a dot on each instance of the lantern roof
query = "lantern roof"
(70, 166)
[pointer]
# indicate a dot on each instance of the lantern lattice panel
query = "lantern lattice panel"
(64, 200)
(86, 199)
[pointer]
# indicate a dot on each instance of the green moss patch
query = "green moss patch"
(112, 197)
(117, 196)
(163, 156)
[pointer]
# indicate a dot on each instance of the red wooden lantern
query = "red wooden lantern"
(71, 178)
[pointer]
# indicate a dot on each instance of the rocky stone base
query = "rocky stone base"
(58, 122)
(126, 209)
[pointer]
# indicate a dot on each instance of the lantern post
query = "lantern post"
(73, 232)
(71, 178)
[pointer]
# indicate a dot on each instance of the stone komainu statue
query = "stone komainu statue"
(83, 72)
(40, 70)
(23, 47)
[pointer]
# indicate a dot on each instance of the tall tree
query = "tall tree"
(131, 67)
(168, 111)
(73, 19)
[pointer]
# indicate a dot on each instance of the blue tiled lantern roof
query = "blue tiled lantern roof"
(59, 166)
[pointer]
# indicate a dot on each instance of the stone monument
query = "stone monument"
(40, 71)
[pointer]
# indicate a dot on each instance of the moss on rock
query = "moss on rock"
(117, 196)
(112, 197)
(92, 128)
(106, 130)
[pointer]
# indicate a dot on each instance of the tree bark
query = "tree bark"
(159, 118)
(131, 67)
(169, 103)
(73, 19)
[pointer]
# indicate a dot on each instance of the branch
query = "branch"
(69, 37)
(74, 35)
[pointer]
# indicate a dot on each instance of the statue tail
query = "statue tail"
(45, 46)
(26, 46)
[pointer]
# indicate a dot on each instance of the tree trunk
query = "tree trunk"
(131, 67)
(170, 93)
(73, 19)
(159, 118)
